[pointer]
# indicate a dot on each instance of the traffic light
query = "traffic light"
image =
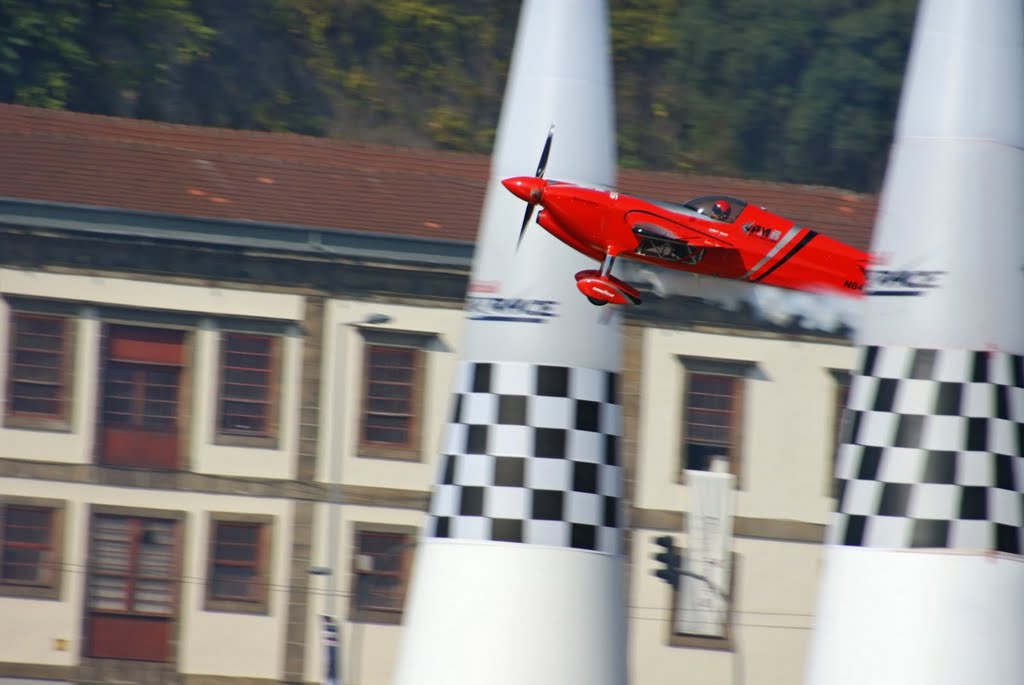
(670, 559)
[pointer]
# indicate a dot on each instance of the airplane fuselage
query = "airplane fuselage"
(754, 245)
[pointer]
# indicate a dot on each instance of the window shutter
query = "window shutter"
(146, 345)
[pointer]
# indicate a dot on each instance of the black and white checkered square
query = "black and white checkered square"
(531, 455)
(934, 452)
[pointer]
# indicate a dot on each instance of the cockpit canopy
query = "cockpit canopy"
(704, 203)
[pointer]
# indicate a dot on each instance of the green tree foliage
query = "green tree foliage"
(95, 56)
(796, 90)
(40, 50)
(840, 124)
(257, 74)
(802, 91)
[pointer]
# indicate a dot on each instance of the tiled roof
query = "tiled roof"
(327, 183)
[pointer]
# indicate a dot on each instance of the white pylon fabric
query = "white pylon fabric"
(530, 456)
(933, 457)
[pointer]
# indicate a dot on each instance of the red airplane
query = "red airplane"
(712, 235)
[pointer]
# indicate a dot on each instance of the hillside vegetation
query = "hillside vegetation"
(792, 90)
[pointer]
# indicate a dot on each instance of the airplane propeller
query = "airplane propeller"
(532, 202)
(543, 163)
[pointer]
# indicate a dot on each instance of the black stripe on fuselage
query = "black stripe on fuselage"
(782, 260)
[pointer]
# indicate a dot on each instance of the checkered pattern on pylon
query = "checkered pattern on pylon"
(530, 456)
(934, 452)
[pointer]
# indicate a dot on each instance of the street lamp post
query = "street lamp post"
(331, 624)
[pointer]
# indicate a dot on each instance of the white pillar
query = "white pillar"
(923, 574)
(519, 574)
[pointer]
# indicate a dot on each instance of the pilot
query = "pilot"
(720, 210)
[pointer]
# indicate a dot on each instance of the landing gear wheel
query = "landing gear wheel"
(605, 289)
(596, 302)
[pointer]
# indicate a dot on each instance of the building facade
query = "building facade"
(221, 418)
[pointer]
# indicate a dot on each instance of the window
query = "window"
(132, 586)
(839, 421)
(39, 375)
(237, 569)
(248, 392)
(29, 549)
(711, 419)
(141, 395)
(381, 560)
(391, 401)
(713, 412)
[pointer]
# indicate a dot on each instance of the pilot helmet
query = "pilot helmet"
(720, 210)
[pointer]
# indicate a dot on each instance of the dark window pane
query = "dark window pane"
(254, 346)
(29, 398)
(37, 366)
(141, 395)
(394, 364)
(389, 405)
(37, 372)
(698, 456)
(238, 533)
(710, 418)
(392, 429)
(390, 390)
(380, 576)
(246, 387)
(378, 592)
(234, 582)
(231, 551)
(40, 330)
(245, 411)
(385, 548)
(236, 542)
(26, 543)
(22, 565)
(236, 559)
(28, 516)
(25, 524)
(242, 418)
(379, 373)
(241, 384)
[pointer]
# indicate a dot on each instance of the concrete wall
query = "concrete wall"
(210, 642)
(782, 506)
(788, 417)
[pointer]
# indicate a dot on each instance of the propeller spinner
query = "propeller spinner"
(530, 189)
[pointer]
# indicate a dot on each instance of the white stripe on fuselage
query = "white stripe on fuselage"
(790, 234)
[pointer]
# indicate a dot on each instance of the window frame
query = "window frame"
(270, 439)
(170, 622)
(418, 344)
(133, 575)
(157, 458)
(842, 379)
(738, 370)
(379, 615)
(61, 421)
(51, 589)
(260, 603)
